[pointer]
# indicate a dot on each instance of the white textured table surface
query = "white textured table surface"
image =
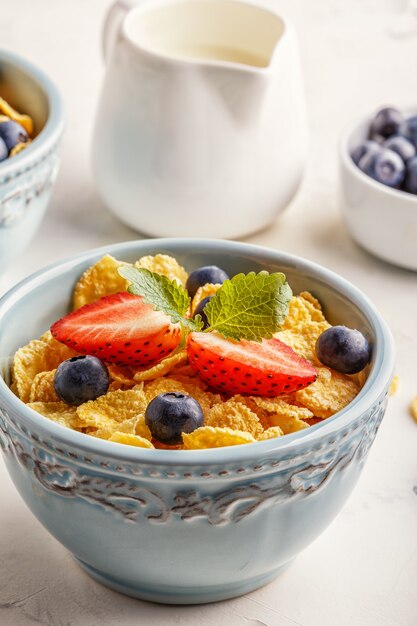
(363, 570)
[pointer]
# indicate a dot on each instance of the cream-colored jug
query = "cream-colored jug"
(201, 127)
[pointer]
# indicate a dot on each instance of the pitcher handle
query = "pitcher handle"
(112, 24)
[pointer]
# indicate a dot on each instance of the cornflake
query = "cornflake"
(162, 368)
(302, 339)
(270, 433)
(131, 440)
(361, 377)
(413, 408)
(165, 265)
(303, 309)
(18, 148)
(99, 280)
(278, 406)
(330, 393)
(393, 388)
(116, 385)
(205, 291)
(234, 415)
(39, 355)
(135, 425)
(59, 412)
(288, 417)
(313, 306)
(209, 437)
(23, 119)
(303, 326)
(248, 401)
(161, 385)
(121, 374)
(191, 387)
(185, 371)
(42, 388)
(287, 424)
(112, 408)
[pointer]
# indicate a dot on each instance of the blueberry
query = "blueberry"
(364, 148)
(170, 414)
(4, 153)
(344, 349)
(80, 379)
(386, 122)
(367, 162)
(379, 139)
(204, 275)
(200, 311)
(13, 133)
(409, 130)
(410, 183)
(401, 146)
(387, 168)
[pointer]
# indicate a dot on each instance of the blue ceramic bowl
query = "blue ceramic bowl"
(26, 180)
(188, 526)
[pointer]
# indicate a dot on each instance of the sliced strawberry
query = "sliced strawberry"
(119, 329)
(269, 368)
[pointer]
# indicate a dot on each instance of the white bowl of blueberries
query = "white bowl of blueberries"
(378, 185)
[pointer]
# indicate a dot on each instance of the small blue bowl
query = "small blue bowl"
(188, 526)
(26, 180)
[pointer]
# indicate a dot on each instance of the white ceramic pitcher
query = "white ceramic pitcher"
(201, 127)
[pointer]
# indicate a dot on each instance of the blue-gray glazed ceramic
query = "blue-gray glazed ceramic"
(26, 180)
(189, 526)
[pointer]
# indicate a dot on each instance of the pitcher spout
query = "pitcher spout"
(228, 45)
(240, 94)
(206, 31)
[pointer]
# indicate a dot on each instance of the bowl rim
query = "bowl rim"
(50, 133)
(376, 384)
(349, 164)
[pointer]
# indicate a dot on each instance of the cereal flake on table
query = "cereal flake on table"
(395, 383)
(413, 408)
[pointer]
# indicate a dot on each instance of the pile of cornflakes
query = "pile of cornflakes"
(119, 415)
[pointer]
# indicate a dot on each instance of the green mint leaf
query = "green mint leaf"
(251, 306)
(162, 293)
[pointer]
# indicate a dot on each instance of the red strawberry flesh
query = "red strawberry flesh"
(269, 368)
(120, 329)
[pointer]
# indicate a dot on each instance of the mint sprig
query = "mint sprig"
(163, 294)
(250, 306)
